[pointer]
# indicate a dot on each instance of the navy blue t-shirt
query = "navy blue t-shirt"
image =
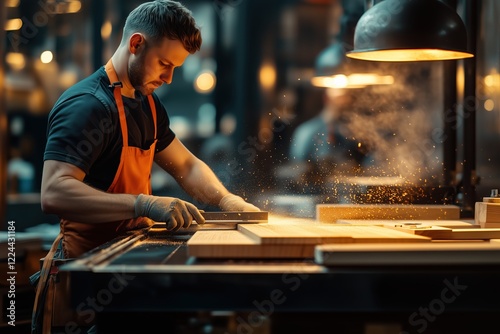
(84, 128)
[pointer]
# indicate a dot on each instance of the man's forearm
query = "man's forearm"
(74, 200)
(203, 185)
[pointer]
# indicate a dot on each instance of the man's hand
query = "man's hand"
(231, 202)
(175, 212)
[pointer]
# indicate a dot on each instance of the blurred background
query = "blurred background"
(259, 104)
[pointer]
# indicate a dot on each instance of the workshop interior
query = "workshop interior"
(381, 217)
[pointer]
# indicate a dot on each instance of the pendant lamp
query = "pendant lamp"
(334, 70)
(410, 30)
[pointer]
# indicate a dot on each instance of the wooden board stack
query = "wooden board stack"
(487, 212)
(288, 241)
(381, 225)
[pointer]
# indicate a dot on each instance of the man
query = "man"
(105, 132)
(326, 138)
(324, 146)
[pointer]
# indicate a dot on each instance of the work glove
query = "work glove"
(231, 202)
(175, 212)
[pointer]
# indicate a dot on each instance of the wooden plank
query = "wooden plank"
(409, 222)
(330, 213)
(296, 234)
(432, 253)
(474, 234)
(491, 199)
(234, 244)
(324, 233)
(443, 233)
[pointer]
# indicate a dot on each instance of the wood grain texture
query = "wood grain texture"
(324, 233)
(234, 244)
(287, 241)
(330, 213)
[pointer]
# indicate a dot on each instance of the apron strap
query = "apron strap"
(44, 275)
(116, 85)
(49, 305)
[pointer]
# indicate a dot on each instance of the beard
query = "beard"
(136, 75)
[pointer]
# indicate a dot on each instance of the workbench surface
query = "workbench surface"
(153, 273)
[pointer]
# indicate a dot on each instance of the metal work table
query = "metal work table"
(148, 278)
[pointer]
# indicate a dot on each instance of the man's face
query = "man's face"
(153, 65)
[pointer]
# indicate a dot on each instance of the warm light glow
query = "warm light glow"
(205, 82)
(68, 7)
(46, 57)
(13, 24)
(489, 80)
(368, 79)
(267, 76)
(489, 105)
(492, 80)
(74, 7)
(334, 81)
(68, 78)
(15, 60)
(408, 55)
(106, 30)
(356, 80)
(12, 3)
(460, 80)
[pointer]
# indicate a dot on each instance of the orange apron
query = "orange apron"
(133, 176)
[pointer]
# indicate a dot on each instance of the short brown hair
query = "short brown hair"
(164, 19)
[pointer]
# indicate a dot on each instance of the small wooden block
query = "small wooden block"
(487, 213)
(330, 213)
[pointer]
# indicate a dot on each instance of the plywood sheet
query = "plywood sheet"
(234, 244)
(330, 213)
(409, 222)
(324, 233)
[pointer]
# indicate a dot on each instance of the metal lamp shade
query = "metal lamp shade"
(335, 70)
(410, 30)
